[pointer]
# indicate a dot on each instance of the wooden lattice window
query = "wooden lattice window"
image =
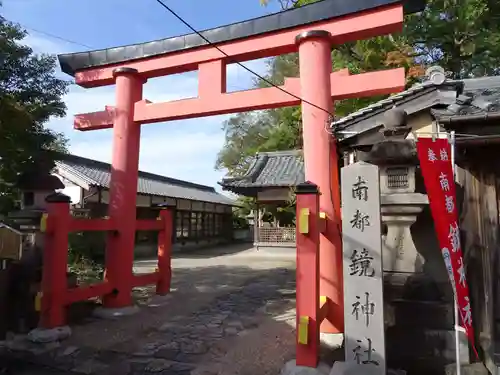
(397, 178)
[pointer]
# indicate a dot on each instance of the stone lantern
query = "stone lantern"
(415, 314)
(400, 204)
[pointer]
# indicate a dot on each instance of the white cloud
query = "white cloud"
(181, 149)
(165, 150)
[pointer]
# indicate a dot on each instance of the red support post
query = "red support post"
(308, 302)
(123, 187)
(55, 262)
(165, 253)
(82, 293)
(320, 158)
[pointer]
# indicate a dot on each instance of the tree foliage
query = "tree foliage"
(30, 94)
(462, 36)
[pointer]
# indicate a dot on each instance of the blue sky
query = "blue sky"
(181, 149)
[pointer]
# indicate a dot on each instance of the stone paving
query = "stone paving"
(228, 314)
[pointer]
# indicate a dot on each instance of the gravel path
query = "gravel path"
(227, 314)
(19, 367)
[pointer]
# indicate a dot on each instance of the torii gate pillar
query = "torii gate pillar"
(123, 187)
(321, 164)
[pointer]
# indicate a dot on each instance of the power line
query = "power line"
(171, 11)
(58, 37)
(50, 35)
(256, 74)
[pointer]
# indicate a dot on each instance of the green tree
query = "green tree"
(462, 36)
(30, 94)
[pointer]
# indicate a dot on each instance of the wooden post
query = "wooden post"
(165, 253)
(55, 261)
(307, 274)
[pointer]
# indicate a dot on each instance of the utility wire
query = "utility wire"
(325, 127)
(231, 60)
(50, 35)
(55, 36)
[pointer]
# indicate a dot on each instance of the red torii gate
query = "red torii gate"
(310, 30)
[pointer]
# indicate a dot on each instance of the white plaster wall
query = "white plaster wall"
(74, 192)
(142, 200)
(274, 195)
(71, 190)
(424, 126)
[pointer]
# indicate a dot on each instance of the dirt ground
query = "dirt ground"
(231, 311)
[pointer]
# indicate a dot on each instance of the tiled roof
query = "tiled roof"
(384, 103)
(90, 172)
(475, 96)
(269, 169)
(479, 100)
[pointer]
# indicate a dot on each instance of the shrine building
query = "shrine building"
(202, 216)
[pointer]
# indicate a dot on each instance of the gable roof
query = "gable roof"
(462, 100)
(295, 17)
(267, 170)
(480, 100)
(396, 99)
(92, 173)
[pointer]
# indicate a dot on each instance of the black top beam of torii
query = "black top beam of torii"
(311, 13)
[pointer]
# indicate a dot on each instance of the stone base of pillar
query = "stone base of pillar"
(115, 313)
(291, 368)
(420, 351)
(467, 369)
(419, 324)
(331, 347)
(331, 340)
(47, 335)
(411, 286)
(158, 301)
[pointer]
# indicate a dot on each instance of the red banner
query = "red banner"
(437, 171)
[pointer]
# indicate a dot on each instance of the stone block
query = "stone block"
(42, 335)
(416, 350)
(331, 341)
(115, 313)
(424, 314)
(466, 369)
(158, 301)
(291, 368)
(339, 368)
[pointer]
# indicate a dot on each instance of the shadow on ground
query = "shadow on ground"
(229, 317)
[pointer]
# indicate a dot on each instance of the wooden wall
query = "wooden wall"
(478, 194)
